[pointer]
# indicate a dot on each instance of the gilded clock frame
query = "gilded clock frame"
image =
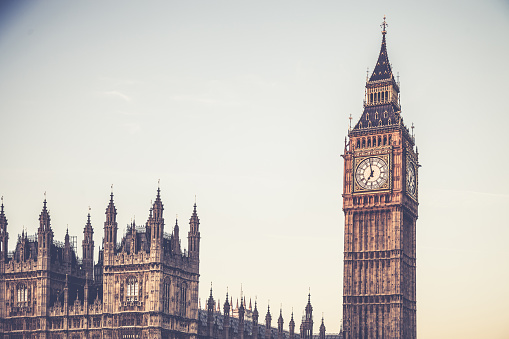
(358, 189)
(412, 162)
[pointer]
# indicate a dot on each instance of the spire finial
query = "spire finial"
(384, 26)
(413, 129)
(350, 118)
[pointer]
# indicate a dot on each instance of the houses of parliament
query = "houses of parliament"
(145, 285)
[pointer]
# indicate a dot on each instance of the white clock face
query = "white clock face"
(372, 173)
(410, 178)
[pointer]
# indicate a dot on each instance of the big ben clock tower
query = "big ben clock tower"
(380, 201)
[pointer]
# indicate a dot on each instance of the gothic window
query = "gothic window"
(389, 121)
(363, 142)
(385, 140)
(379, 137)
(358, 143)
(22, 294)
(166, 296)
(390, 139)
(369, 142)
(376, 115)
(183, 300)
(132, 289)
(367, 116)
(369, 123)
(379, 122)
(371, 98)
(360, 124)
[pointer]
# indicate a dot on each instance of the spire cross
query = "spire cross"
(384, 26)
(413, 129)
(2, 199)
(350, 118)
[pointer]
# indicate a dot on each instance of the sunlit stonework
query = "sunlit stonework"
(380, 207)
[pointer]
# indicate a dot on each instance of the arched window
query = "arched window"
(166, 296)
(183, 300)
(369, 142)
(358, 143)
(363, 142)
(132, 289)
(22, 294)
(376, 115)
(367, 116)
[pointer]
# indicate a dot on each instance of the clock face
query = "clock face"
(372, 173)
(410, 178)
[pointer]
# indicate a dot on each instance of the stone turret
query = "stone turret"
(110, 233)
(88, 248)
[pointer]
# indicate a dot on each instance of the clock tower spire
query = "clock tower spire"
(380, 204)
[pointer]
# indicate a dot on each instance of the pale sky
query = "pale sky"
(246, 106)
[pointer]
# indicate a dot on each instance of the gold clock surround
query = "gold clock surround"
(387, 185)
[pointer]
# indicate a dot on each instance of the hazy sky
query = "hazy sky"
(246, 106)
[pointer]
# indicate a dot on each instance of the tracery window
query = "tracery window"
(132, 289)
(22, 294)
(183, 299)
(166, 296)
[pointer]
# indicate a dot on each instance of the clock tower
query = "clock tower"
(380, 202)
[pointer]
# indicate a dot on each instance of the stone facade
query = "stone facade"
(380, 204)
(143, 287)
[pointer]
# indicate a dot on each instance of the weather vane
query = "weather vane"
(384, 26)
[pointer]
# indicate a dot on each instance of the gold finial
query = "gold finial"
(367, 73)
(111, 188)
(413, 129)
(158, 183)
(350, 128)
(384, 26)
(44, 195)
(2, 199)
